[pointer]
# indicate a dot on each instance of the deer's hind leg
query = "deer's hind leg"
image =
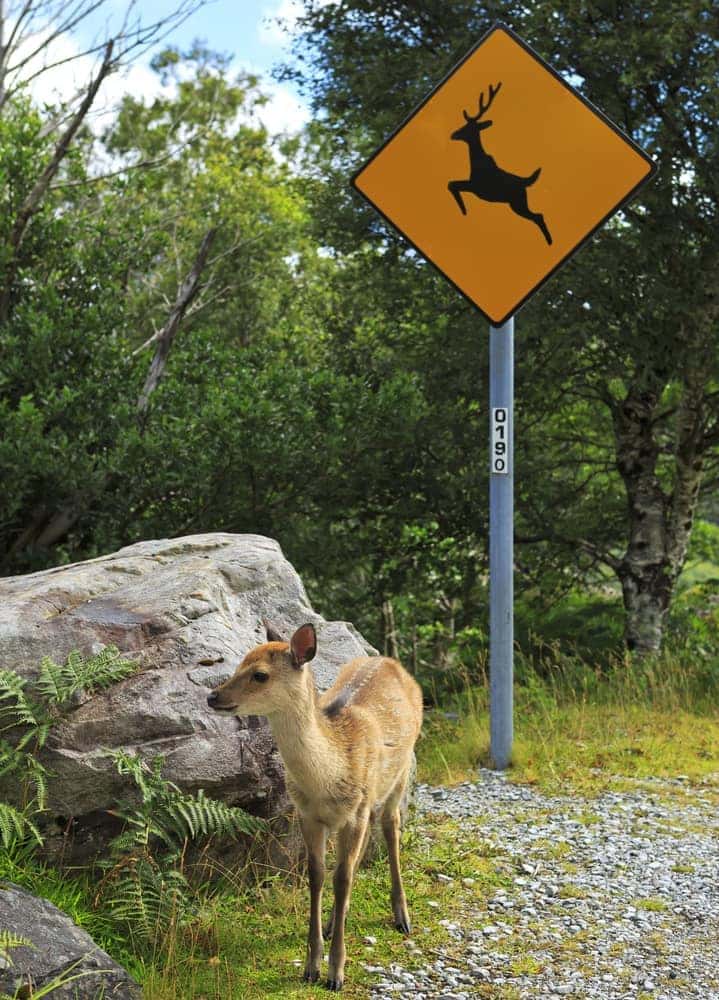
(518, 204)
(391, 829)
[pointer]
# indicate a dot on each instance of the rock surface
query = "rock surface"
(58, 944)
(186, 610)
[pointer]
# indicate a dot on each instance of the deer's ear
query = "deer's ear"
(303, 645)
(272, 634)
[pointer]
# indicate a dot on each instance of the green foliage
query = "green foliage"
(27, 713)
(627, 320)
(145, 887)
(58, 684)
(171, 816)
(8, 941)
(704, 546)
(325, 387)
(16, 826)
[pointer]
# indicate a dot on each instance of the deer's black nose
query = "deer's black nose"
(212, 698)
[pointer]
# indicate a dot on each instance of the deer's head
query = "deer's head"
(269, 679)
(470, 131)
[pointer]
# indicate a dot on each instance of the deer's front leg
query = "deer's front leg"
(315, 837)
(350, 841)
(329, 926)
(455, 187)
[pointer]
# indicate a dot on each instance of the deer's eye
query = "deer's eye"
(260, 677)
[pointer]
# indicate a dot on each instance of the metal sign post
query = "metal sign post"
(498, 203)
(501, 541)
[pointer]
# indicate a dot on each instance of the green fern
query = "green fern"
(149, 896)
(27, 714)
(10, 940)
(144, 887)
(16, 825)
(16, 708)
(171, 815)
(59, 683)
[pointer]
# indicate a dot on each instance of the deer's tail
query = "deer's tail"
(532, 177)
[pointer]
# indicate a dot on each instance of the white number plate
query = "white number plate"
(501, 436)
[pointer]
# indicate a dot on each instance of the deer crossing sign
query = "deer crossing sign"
(501, 174)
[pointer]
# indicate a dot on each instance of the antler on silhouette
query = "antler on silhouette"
(484, 108)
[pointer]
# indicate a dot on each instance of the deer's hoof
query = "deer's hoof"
(404, 925)
(334, 985)
(311, 975)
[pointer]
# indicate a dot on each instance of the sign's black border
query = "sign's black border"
(500, 26)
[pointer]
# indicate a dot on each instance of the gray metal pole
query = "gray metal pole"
(501, 541)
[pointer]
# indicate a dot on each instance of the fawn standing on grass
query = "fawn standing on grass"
(347, 754)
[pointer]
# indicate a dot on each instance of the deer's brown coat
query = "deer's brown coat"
(347, 754)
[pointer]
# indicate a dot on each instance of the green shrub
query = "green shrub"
(27, 714)
(145, 887)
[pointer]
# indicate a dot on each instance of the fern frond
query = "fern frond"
(16, 708)
(148, 898)
(52, 683)
(16, 825)
(12, 685)
(58, 683)
(174, 816)
(10, 940)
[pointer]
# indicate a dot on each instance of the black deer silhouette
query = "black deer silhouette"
(486, 179)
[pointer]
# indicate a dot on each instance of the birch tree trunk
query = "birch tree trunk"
(660, 520)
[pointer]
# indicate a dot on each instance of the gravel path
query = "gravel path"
(614, 897)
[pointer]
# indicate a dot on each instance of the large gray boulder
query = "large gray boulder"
(60, 950)
(186, 610)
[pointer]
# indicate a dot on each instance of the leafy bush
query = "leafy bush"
(27, 714)
(145, 887)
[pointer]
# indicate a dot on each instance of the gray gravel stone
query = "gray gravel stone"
(614, 898)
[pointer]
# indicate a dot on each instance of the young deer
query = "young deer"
(347, 754)
(488, 181)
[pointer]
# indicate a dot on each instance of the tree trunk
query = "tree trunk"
(389, 629)
(660, 524)
(646, 602)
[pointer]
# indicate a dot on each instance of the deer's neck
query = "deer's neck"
(477, 155)
(305, 738)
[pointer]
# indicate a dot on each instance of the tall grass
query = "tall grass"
(583, 724)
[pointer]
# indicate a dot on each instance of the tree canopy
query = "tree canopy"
(204, 329)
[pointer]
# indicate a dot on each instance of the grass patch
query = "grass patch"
(582, 728)
(250, 942)
(246, 940)
(572, 892)
(525, 965)
(652, 904)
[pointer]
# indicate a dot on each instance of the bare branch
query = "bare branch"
(62, 28)
(130, 41)
(576, 543)
(129, 167)
(32, 202)
(185, 294)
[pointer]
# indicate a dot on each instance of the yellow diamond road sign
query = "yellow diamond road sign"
(501, 174)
